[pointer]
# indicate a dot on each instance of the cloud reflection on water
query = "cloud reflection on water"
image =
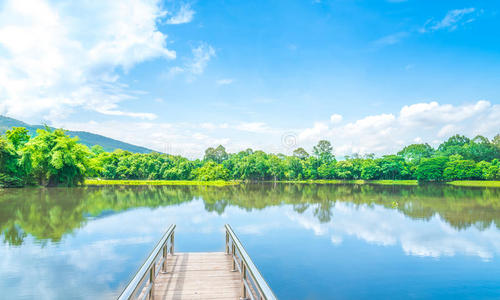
(388, 227)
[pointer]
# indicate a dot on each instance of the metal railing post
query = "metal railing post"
(227, 242)
(172, 244)
(243, 279)
(234, 257)
(151, 281)
(165, 255)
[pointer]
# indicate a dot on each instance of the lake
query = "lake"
(309, 241)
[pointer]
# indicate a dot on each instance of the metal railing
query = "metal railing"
(144, 280)
(253, 285)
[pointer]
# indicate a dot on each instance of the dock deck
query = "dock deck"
(198, 275)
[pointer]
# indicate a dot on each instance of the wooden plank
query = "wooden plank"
(198, 275)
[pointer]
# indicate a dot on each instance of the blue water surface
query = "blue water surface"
(309, 241)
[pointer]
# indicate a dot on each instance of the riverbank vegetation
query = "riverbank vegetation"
(157, 182)
(51, 158)
(476, 183)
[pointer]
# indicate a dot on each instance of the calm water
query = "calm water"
(309, 241)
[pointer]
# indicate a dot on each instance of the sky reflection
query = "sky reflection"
(387, 227)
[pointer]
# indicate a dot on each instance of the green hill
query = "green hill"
(86, 138)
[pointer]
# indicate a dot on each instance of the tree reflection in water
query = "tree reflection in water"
(48, 214)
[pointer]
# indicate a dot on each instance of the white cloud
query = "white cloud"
(372, 124)
(451, 20)
(197, 64)
(201, 56)
(148, 116)
(335, 118)
(429, 114)
(386, 133)
(224, 81)
(422, 122)
(447, 130)
(256, 127)
(184, 15)
(172, 72)
(65, 56)
(318, 131)
(391, 39)
(213, 126)
(186, 139)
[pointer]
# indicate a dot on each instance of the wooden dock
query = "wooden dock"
(198, 275)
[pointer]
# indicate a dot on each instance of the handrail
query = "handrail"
(257, 287)
(148, 268)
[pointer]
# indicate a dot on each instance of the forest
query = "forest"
(52, 158)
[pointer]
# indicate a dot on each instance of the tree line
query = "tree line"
(52, 158)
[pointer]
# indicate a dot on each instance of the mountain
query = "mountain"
(86, 138)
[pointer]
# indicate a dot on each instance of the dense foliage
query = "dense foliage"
(52, 158)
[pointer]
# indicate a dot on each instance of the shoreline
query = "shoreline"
(465, 183)
(157, 182)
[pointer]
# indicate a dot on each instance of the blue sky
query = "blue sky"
(180, 76)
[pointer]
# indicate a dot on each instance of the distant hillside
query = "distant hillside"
(86, 138)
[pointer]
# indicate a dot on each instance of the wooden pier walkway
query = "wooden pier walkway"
(198, 275)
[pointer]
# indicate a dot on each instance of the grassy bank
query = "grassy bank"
(359, 181)
(223, 183)
(472, 183)
(158, 182)
(478, 183)
(394, 182)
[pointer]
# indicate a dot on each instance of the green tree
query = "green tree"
(488, 171)
(300, 153)
(392, 167)
(211, 171)
(276, 167)
(327, 171)
(97, 149)
(324, 151)
(311, 166)
(453, 141)
(345, 169)
(18, 136)
(217, 155)
(370, 170)
(459, 168)
(431, 169)
(294, 168)
(9, 171)
(415, 152)
(454, 145)
(496, 141)
(480, 148)
(57, 158)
